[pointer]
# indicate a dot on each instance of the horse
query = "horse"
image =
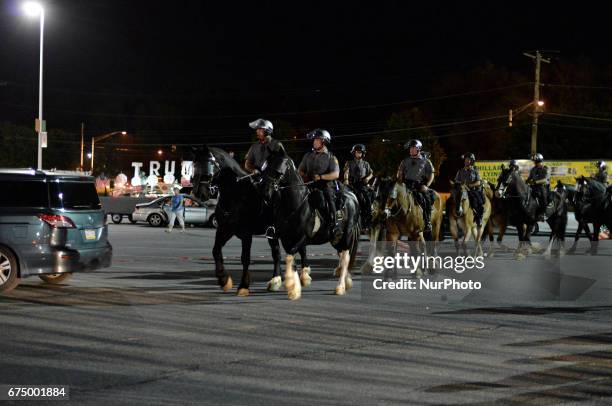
(498, 218)
(460, 214)
(241, 212)
(521, 206)
(592, 204)
(395, 213)
(298, 222)
(556, 217)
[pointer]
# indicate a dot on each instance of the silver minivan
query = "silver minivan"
(51, 225)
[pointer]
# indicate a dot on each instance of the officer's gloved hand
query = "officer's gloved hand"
(424, 188)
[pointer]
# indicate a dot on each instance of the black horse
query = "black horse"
(521, 205)
(592, 204)
(240, 212)
(298, 222)
(556, 217)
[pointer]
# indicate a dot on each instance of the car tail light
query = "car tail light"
(57, 221)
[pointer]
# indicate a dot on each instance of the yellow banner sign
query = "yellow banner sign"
(565, 171)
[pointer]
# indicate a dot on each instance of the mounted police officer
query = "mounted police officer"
(417, 172)
(357, 174)
(469, 176)
(321, 167)
(539, 180)
(602, 173)
(513, 165)
(258, 153)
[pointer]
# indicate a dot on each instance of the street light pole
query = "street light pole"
(40, 87)
(34, 9)
(536, 98)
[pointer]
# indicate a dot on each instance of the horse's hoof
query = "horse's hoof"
(294, 295)
(243, 292)
(340, 290)
(275, 284)
(337, 271)
(520, 257)
(305, 278)
(229, 284)
(348, 282)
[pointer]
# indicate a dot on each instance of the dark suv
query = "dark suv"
(51, 224)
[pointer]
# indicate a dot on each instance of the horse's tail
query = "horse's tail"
(354, 244)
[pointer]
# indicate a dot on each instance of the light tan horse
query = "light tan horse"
(395, 213)
(461, 215)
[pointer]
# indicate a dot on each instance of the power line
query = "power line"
(580, 117)
(279, 114)
(577, 86)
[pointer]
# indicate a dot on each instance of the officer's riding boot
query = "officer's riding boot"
(334, 226)
(426, 213)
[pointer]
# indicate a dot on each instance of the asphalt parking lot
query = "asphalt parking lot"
(155, 329)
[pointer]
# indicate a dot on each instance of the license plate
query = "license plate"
(90, 234)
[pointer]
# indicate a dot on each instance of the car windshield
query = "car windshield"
(74, 195)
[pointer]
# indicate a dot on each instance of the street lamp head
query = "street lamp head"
(89, 155)
(32, 8)
(159, 152)
(123, 132)
(540, 103)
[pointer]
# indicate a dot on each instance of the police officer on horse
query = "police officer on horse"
(258, 153)
(469, 176)
(321, 167)
(539, 180)
(602, 172)
(417, 173)
(357, 174)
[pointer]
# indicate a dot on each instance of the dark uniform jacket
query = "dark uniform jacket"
(538, 173)
(417, 170)
(468, 175)
(357, 170)
(257, 154)
(318, 163)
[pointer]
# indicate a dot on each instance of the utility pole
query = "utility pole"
(536, 98)
(82, 143)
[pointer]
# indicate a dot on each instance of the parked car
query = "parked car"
(121, 206)
(51, 225)
(156, 213)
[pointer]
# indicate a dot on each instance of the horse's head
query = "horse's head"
(458, 194)
(504, 180)
(274, 171)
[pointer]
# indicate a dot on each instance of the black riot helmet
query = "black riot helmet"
(319, 133)
(358, 147)
(413, 143)
(470, 156)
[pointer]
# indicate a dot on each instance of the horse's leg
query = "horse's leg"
(343, 264)
(245, 258)
(454, 232)
(292, 281)
(305, 278)
(223, 278)
(595, 239)
(276, 282)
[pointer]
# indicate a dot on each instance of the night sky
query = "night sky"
(199, 71)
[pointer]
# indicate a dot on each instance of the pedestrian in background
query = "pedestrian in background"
(177, 209)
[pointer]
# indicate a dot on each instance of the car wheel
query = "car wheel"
(156, 220)
(213, 221)
(8, 270)
(56, 278)
(131, 219)
(116, 218)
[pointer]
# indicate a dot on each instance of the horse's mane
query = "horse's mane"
(599, 187)
(225, 161)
